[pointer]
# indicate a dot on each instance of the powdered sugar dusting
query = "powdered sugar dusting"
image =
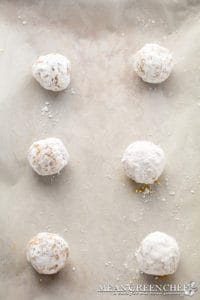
(143, 162)
(47, 252)
(158, 254)
(52, 71)
(153, 63)
(48, 156)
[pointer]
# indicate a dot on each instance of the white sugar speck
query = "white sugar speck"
(171, 193)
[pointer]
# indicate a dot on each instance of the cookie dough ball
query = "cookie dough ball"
(52, 71)
(48, 156)
(158, 254)
(153, 63)
(143, 162)
(47, 253)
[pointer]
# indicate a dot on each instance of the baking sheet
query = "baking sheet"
(92, 204)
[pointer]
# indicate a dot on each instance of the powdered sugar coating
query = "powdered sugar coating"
(47, 252)
(48, 156)
(52, 71)
(153, 63)
(158, 254)
(143, 162)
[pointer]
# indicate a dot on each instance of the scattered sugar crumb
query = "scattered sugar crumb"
(45, 108)
(172, 193)
(73, 91)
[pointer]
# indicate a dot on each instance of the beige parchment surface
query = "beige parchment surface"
(92, 204)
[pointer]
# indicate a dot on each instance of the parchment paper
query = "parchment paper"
(101, 214)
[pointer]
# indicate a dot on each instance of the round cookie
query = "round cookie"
(47, 253)
(153, 63)
(158, 254)
(48, 156)
(52, 71)
(143, 162)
